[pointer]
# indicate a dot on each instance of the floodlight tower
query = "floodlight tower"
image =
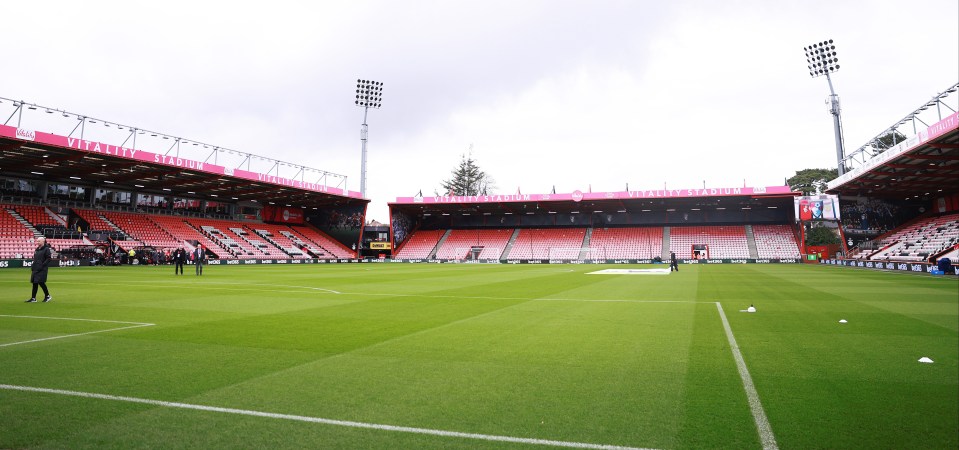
(369, 94)
(821, 59)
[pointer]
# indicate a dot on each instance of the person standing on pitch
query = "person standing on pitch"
(672, 262)
(199, 257)
(179, 257)
(38, 270)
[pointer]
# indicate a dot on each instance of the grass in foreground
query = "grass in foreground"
(545, 352)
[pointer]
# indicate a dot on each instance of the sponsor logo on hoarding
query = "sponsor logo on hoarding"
(577, 196)
(27, 135)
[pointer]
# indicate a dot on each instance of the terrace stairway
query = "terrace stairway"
(439, 244)
(23, 221)
(125, 235)
(584, 249)
(509, 245)
(665, 254)
(751, 242)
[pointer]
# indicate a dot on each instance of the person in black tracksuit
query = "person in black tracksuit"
(38, 270)
(179, 258)
(672, 262)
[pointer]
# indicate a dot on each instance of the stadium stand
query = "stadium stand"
(61, 244)
(176, 226)
(772, 242)
(142, 229)
(723, 241)
(420, 244)
(324, 242)
(548, 243)
(93, 218)
(459, 243)
(617, 243)
(221, 232)
(16, 239)
(776, 242)
(287, 242)
(268, 248)
(38, 215)
(919, 240)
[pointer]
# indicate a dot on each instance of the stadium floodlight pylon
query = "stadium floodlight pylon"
(821, 60)
(369, 94)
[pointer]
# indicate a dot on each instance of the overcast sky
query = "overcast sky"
(571, 94)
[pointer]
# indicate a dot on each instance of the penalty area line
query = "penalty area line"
(766, 435)
(320, 420)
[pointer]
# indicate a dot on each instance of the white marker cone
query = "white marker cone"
(925, 359)
(842, 321)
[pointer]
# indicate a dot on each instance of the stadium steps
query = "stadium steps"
(268, 237)
(24, 222)
(208, 247)
(509, 245)
(439, 244)
(665, 254)
(126, 235)
(751, 242)
(584, 249)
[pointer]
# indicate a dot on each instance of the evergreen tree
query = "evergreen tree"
(888, 140)
(812, 181)
(468, 179)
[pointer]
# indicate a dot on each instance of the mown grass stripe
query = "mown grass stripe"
(755, 406)
(320, 420)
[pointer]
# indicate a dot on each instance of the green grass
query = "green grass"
(520, 351)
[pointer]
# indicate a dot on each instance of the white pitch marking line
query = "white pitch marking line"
(80, 320)
(755, 406)
(133, 325)
(609, 300)
(341, 423)
(301, 287)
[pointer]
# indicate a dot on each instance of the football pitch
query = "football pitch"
(479, 356)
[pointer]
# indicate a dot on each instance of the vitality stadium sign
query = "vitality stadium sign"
(623, 195)
(82, 145)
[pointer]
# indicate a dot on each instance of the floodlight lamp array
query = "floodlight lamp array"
(821, 58)
(369, 93)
